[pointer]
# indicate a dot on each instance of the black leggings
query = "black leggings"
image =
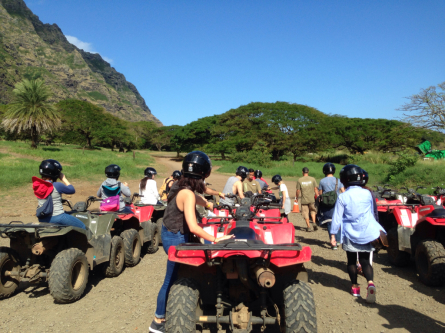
(363, 258)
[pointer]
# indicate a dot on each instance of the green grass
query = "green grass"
(22, 162)
(97, 96)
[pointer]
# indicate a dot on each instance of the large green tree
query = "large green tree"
(30, 111)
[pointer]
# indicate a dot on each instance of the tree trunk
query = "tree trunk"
(177, 154)
(34, 137)
(223, 155)
(89, 142)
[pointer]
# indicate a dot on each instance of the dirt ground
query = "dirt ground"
(127, 303)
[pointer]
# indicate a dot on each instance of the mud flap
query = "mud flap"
(404, 237)
(102, 248)
(147, 231)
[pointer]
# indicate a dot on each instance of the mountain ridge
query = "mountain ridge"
(31, 49)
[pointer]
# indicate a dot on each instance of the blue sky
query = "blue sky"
(191, 59)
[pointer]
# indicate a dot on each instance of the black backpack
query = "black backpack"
(328, 199)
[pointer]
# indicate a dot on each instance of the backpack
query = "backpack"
(163, 191)
(328, 199)
(47, 208)
(112, 203)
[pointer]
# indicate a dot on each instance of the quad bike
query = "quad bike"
(439, 195)
(60, 255)
(257, 278)
(152, 217)
(418, 232)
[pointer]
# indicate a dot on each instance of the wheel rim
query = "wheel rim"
(77, 275)
(422, 263)
(136, 248)
(8, 265)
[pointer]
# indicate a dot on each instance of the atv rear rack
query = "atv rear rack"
(41, 225)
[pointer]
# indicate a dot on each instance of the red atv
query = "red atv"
(418, 231)
(257, 278)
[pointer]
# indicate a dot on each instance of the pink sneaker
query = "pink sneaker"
(370, 298)
(355, 291)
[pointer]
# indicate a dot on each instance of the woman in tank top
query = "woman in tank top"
(180, 221)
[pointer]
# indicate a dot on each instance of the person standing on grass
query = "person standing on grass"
(354, 215)
(284, 194)
(307, 188)
(48, 188)
(327, 186)
(180, 222)
(251, 184)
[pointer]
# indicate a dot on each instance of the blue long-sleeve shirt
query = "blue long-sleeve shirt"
(354, 213)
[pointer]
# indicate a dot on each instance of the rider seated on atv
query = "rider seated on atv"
(234, 186)
(258, 175)
(48, 187)
(180, 222)
(147, 188)
(168, 183)
(111, 185)
(251, 184)
(284, 194)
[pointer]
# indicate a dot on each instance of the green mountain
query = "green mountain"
(30, 49)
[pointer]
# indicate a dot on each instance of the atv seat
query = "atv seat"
(437, 213)
(244, 233)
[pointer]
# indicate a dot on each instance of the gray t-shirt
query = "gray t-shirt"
(228, 189)
(327, 184)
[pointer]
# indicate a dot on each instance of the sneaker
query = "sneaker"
(157, 328)
(355, 291)
(315, 227)
(335, 247)
(370, 298)
(309, 229)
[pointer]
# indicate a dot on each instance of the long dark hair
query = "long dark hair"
(144, 181)
(196, 185)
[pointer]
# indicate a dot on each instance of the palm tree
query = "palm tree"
(31, 111)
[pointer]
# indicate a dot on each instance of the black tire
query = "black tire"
(68, 276)
(430, 262)
(395, 256)
(132, 247)
(9, 261)
(153, 245)
(117, 258)
(299, 308)
(181, 307)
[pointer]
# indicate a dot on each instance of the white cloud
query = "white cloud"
(87, 47)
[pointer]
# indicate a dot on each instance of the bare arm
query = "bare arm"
(316, 192)
(213, 192)
(297, 195)
(342, 190)
(238, 189)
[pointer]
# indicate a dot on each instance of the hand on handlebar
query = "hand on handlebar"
(209, 206)
(223, 238)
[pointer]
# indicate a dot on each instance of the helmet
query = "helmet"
(328, 169)
(258, 174)
(365, 177)
(242, 172)
(150, 172)
(351, 174)
(113, 171)
(50, 168)
(196, 165)
(276, 179)
(176, 174)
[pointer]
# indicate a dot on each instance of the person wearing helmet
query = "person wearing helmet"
(234, 185)
(354, 214)
(111, 186)
(180, 222)
(365, 182)
(258, 175)
(284, 194)
(251, 184)
(328, 185)
(48, 188)
(147, 188)
(307, 188)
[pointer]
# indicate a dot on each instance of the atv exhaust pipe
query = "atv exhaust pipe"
(265, 277)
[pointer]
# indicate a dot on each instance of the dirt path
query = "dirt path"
(127, 303)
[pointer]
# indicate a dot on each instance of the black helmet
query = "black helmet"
(196, 165)
(328, 169)
(242, 172)
(176, 174)
(113, 171)
(365, 177)
(351, 174)
(276, 179)
(150, 172)
(258, 174)
(50, 168)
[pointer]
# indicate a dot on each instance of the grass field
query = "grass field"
(19, 163)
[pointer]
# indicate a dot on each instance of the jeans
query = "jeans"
(337, 236)
(126, 210)
(168, 239)
(65, 219)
